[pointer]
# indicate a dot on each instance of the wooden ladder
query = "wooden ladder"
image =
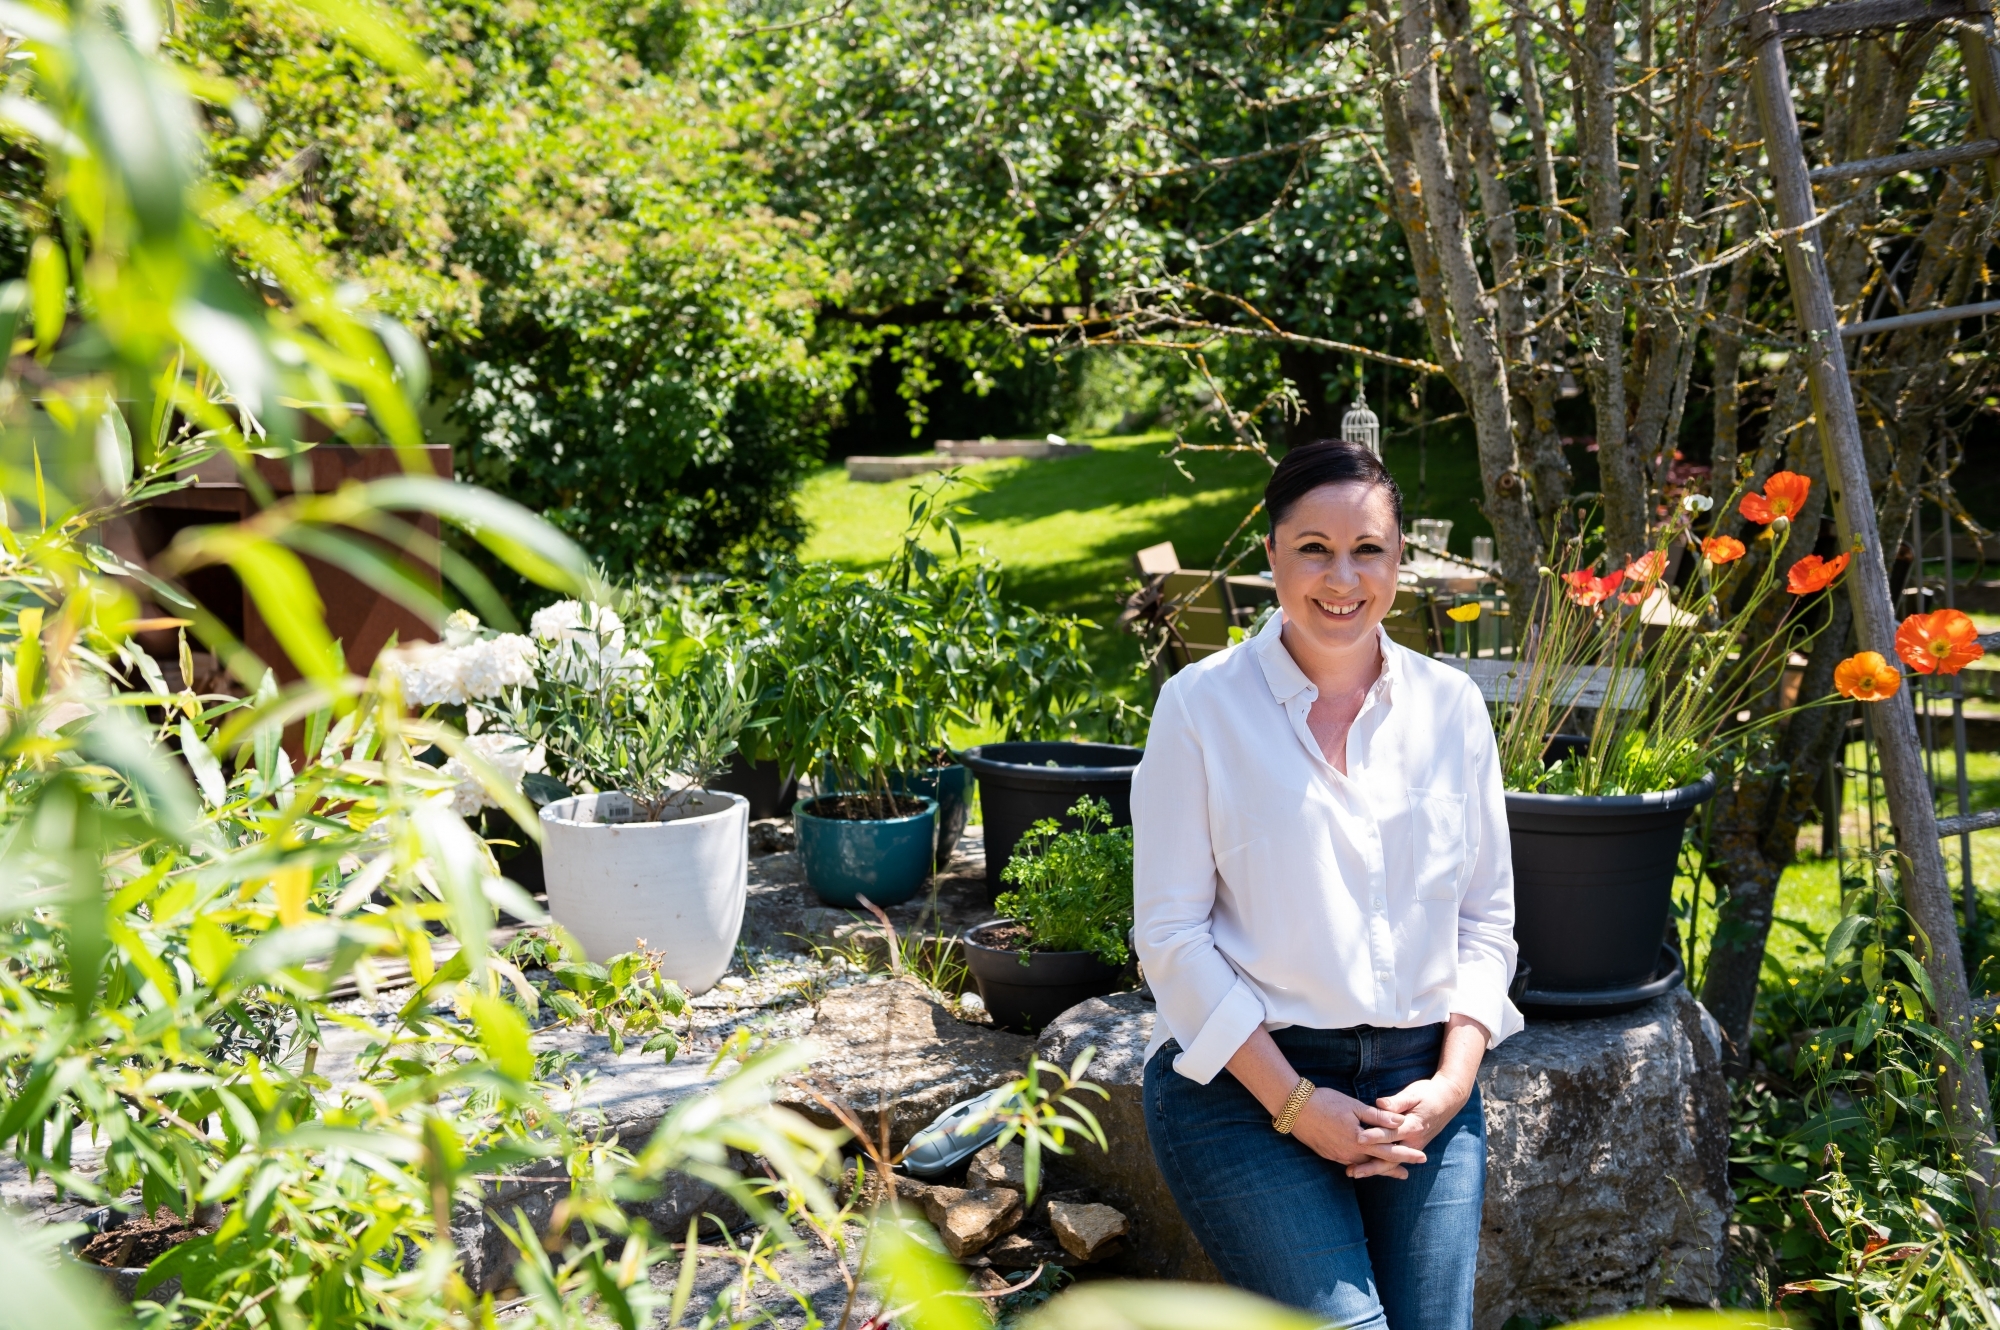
(1927, 894)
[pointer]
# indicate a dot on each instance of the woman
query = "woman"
(1325, 910)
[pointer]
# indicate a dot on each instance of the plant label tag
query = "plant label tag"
(614, 807)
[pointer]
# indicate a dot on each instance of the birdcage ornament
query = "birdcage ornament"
(1360, 425)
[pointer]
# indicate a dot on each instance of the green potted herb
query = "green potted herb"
(1062, 938)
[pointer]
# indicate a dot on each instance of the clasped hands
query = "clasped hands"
(1382, 1139)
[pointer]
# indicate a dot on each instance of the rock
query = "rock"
(1085, 1230)
(966, 1221)
(1607, 1175)
(773, 835)
(996, 1166)
(1607, 1180)
(891, 1047)
(1027, 1247)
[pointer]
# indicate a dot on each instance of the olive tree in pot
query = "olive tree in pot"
(1063, 938)
(637, 852)
(1633, 699)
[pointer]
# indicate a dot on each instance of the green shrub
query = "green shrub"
(1073, 889)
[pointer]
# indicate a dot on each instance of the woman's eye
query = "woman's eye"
(1312, 547)
(1368, 548)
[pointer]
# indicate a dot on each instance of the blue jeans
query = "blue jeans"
(1279, 1220)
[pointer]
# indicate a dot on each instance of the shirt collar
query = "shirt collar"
(1287, 680)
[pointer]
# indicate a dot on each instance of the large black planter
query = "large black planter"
(1026, 993)
(1593, 884)
(770, 792)
(1022, 783)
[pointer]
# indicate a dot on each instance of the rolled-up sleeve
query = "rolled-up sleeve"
(1486, 950)
(1207, 1006)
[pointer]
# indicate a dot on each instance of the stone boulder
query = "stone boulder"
(1607, 1159)
(891, 1047)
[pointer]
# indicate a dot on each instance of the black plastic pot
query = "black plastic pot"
(1024, 993)
(1022, 783)
(1593, 884)
(770, 791)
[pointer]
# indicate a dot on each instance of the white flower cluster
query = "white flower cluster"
(437, 672)
(586, 641)
(509, 755)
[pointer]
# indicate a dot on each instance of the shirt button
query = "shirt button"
(1378, 903)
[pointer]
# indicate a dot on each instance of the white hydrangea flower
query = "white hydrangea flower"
(585, 640)
(434, 673)
(507, 753)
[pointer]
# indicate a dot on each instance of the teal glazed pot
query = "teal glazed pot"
(888, 860)
(952, 788)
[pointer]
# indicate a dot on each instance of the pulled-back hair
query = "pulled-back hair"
(1327, 462)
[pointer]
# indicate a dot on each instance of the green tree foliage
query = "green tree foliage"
(624, 330)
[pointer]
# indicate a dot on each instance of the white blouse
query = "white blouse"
(1272, 890)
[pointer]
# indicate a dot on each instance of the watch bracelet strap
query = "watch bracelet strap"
(1301, 1092)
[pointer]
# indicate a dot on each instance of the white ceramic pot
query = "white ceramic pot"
(679, 885)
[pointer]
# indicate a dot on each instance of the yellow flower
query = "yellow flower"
(1794, 983)
(1848, 1056)
(1463, 613)
(1977, 1044)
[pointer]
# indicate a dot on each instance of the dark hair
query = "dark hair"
(1327, 462)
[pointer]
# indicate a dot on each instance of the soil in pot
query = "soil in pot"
(1022, 783)
(848, 849)
(1025, 992)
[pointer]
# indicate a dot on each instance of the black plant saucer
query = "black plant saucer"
(1577, 1004)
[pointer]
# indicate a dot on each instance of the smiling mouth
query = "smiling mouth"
(1347, 611)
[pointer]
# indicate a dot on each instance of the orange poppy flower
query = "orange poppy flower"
(1587, 588)
(1941, 642)
(1784, 495)
(1719, 550)
(1640, 574)
(1866, 677)
(1813, 573)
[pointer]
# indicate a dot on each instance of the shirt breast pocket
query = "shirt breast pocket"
(1438, 848)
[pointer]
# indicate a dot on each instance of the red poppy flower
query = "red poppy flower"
(1784, 495)
(1942, 642)
(1866, 677)
(1719, 550)
(1813, 573)
(1640, 574)
(1587, 588)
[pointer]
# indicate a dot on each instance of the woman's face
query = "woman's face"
(1333, 560)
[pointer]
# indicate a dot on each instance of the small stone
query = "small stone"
(731, 982)
(773, 835)
(990, 1280)
(966, 1221)
(996, 1166)
(1085, 1230)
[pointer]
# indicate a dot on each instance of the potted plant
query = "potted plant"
(855, 708)
(637, 851)
(1062, 939)
(1019, 670)
(1612, 725)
